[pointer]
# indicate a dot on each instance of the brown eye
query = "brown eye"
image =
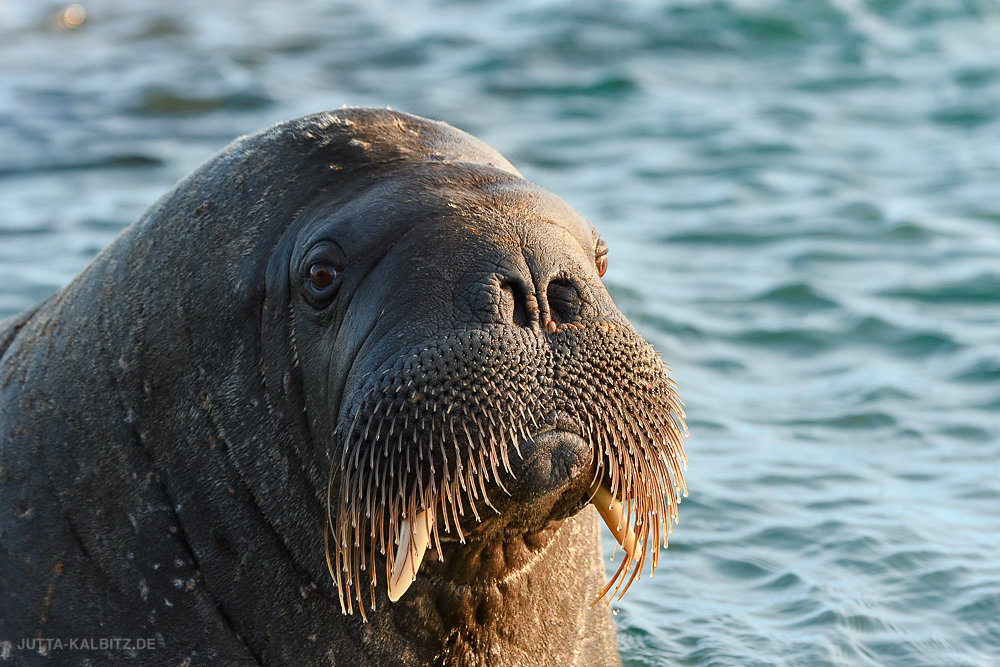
(602, 265)
(322, 275)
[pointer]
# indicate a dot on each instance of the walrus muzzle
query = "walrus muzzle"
(437, 436)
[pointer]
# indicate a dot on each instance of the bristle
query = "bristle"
(417, 420)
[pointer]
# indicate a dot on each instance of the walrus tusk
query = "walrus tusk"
(612, 511)
(410, 552)
(413, 539)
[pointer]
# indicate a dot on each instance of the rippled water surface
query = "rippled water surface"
(803, 205)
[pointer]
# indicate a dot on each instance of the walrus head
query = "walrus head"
(467, 379)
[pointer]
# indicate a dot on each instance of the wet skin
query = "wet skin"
(362, 324)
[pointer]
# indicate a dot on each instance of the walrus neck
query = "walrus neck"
(535, 611)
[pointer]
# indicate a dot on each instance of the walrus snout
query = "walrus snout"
(517, 423)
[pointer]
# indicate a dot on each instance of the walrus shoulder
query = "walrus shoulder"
(11, 326)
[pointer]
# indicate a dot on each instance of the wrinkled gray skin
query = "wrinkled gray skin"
(168, 418)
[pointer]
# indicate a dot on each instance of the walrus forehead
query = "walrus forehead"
(518, 213)
(446, 202)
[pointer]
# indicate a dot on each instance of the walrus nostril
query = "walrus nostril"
(563, 300)
(517, 304)
(557, 301)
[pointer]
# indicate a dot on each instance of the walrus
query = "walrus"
(346, 394)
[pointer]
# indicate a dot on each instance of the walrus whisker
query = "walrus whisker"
(484, 478)
(442, 499)
(611, 582)
(636, 569)
(345, 606)
(458, 482)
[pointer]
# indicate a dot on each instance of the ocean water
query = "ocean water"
(802, 199)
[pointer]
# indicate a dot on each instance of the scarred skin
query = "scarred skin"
(171, 419)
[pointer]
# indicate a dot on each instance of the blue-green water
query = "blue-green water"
(802, 199)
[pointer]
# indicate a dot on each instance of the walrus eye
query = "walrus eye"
(322, 274)
(601, 257)
(322, 283)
